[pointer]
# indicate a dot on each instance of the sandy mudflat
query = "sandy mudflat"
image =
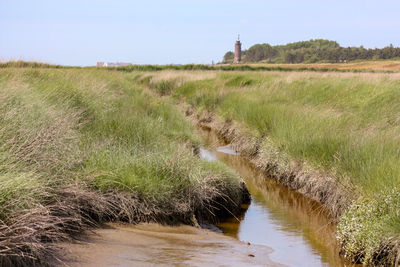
(156, 245)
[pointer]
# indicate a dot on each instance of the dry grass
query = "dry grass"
(383, 65)
(183, 76)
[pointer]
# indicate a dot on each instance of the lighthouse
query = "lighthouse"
(238, 51)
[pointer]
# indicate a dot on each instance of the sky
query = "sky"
(82, 32)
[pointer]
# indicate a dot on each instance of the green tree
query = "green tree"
(312, 51)
(228, 57)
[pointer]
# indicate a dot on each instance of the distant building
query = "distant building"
(238, 51)
(112, 64)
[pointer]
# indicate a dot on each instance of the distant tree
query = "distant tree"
(310, 58)
(312, 51)
(260, 52)
(228, 57)
(290, 57)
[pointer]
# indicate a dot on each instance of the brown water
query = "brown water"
(295, 227)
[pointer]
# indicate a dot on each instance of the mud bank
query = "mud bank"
(332, 194)
(156, 245)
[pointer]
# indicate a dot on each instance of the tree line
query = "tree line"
(312, 51)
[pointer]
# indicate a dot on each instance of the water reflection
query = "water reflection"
(208, 155)
(297, 228)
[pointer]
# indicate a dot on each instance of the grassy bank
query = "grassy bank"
(80, 147)
(341, 125)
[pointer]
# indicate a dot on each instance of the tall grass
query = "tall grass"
(80, 146)
(345, 124)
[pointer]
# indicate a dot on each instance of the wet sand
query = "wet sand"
(156, 245)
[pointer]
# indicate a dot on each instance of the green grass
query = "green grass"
(348, 124)
(344, 124)
(369, 229)
(62, 127)
(102, 128)
(114, 131)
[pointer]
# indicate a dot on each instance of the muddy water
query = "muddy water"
(295, 227)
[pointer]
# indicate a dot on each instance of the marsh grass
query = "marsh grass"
(96, 141)
(346, 124)
(79, 147)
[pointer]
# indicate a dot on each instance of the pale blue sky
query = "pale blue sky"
(81, 32)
